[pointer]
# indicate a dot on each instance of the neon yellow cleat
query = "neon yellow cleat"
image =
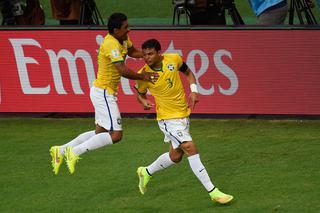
(71, 159)
(57, 158)
(220, 197)
(144, 178)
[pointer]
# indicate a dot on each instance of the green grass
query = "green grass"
(268, 165)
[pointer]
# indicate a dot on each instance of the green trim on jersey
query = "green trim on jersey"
(158, 70)
(114, 62)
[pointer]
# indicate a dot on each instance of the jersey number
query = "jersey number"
(170, 83)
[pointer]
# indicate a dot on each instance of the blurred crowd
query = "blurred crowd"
(268, 12)
(30, 12)
(200, 12)
(15, 12)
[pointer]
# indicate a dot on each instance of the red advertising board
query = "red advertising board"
(238, 71)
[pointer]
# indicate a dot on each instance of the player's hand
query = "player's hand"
(147, 105)
(150, 76)
(193, 99)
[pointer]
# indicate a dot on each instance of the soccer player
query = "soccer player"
(111, 67)
(172, 115)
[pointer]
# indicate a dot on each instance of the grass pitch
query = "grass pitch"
(267, 165)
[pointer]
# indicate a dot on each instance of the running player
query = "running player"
(172, 115)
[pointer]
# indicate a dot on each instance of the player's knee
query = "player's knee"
(176, 157)
(116, 136)
(189, 148)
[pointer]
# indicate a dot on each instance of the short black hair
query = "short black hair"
(151, 43)
(115, 21)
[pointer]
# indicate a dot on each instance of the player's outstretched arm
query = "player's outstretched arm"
(130, 74)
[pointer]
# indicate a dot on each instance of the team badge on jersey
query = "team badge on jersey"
(170, 67)
(115, 53)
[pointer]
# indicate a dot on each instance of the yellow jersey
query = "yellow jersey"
(168, 90)
(110, 52)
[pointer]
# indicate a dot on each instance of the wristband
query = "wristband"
(194, 88)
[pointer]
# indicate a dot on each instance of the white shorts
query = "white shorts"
(107, 114)
(175, 131)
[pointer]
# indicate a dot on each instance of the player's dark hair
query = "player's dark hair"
(151, 43)
(115, 21)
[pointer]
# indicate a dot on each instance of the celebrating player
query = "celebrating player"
(111, 67)
(172, 115)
